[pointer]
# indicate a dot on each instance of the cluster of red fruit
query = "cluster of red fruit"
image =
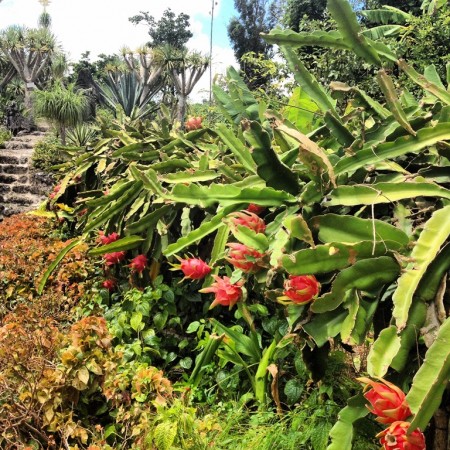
(297, 289)
(391, 408)
(137, 264)
(193, 123)
(56, 189)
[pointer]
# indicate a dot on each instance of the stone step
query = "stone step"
(10, 210)
(20, 200)
(14, 145)
(39, 132)
(12, 178)
(10, 158)
(16, 169)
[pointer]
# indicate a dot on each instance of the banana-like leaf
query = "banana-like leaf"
(387, 87)
(410, 335)
(383, 31)
(431, 74)
(206, 228)
(300, 111)
(309, 83)
(149, 180)
(431, 379)
(248, 237)
(115, 207)
(365, 275)
(350, 229)
(387, 15)
(189, 176)
(359, 194)
(268, 166)
(148, 220)
(330, 257)
(342, 432)
(237, 147)
(325, 326)
(311, 155)
(431, 239)
(289, 38)
(55, 263)
(227, 195)
(425, 83)
(347, 23)
(338, 130)
(431, 281)
(431, 6)
(425, 137)
(126, 243)
(383, 351)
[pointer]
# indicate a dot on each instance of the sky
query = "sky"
(102, 26)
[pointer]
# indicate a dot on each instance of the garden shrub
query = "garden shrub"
(47, 153)
(5, 135)
(26, 249)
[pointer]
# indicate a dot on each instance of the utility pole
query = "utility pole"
(213, 3)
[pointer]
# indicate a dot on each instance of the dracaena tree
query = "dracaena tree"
(185, 71)
(146, 66)
(30, 52)
(7, 72)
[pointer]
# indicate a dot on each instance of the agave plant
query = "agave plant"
(81, 135)
(126, 91)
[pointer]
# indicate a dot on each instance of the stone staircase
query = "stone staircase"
(21, 187)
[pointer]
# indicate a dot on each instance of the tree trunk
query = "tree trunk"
(181, 111)
(440, 435)
(62, 130)
(28, 100)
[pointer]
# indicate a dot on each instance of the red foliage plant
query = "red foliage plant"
(26, 250)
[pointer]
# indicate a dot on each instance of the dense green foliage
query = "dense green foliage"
(5, 135)
(64, 106)
(254, 17)
(47, 154)
(170, 30)
(319, 227)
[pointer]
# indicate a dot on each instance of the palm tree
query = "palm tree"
(63, 106)
(30, 52)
